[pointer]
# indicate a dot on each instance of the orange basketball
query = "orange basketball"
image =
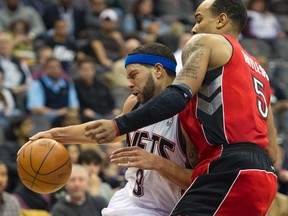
(44, 166)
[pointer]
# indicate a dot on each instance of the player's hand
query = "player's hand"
(134, 157)
(103, 131)
(42, 134)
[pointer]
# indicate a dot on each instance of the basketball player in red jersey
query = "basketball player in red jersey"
(228, 116)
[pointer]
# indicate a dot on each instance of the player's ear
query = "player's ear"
(222, 20)
(159, 70)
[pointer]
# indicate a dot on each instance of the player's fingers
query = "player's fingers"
(104, 137)
(43, 134)
(92, 125)
(122, 154)
(125, 149)
(127, 163)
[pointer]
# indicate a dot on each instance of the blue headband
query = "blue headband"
(150, 60)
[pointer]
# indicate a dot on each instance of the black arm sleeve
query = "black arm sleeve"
(162, 106)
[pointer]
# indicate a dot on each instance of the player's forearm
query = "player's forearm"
(74, 134)
(158, 108)
(173, 172)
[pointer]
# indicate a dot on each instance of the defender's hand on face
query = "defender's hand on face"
(103, 131)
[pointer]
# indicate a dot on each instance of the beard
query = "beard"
(149, 89)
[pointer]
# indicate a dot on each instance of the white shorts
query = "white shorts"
(121, 204)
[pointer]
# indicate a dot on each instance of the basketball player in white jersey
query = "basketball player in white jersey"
(161, 152)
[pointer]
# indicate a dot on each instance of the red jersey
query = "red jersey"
(231, 106)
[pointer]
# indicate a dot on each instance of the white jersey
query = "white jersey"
(146, 192)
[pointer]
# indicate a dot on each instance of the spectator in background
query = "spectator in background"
(78, 200)
(52, 96)
(181, 8)
(116, 78)
(62, 43)
(92, 160)
(71, 118)
(279, 100)
(182, 41)
(105, 44)
(142, 22)
(17, 76)
(64, 9)
(43, 53)
(14, 10)
(22, 43)
(74, 151)
(111, 173)
(31, 201)
(95, 98)
(7, 103)
(8, 204)
(19, 130)
(262, 23)
(92, 21)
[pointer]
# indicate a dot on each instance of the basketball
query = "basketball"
(44, 165)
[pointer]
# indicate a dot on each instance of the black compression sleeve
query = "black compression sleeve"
(165, 105)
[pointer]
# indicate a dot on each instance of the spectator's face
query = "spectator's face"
(65, 3)
(53, 69)
(19, 29)
(3, 177)
(146, 7)
(5, 44)
(25, 130)
(77, 184)
(258, 5)
(61, 28)
(74, 152)
(12, 4)
(108, 25)
(93, 167)
(44, 55)
(87, 72)
(98, 5)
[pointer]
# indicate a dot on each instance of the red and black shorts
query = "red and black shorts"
(242, 181)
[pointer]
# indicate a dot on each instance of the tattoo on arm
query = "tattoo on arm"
(191, 57)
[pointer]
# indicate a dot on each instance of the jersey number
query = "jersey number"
(138, 187)
(261, 101)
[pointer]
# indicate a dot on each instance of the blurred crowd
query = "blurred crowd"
(62, 63)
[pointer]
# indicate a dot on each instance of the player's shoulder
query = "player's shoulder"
(207, 39)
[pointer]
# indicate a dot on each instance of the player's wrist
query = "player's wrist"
(114, 121)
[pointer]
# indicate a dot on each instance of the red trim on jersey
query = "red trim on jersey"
(245, 89)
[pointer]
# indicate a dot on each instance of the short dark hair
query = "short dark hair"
(88, 156)
(87, 59)
(51, 59)
(15, 123)
(235, 10)
(156, 49)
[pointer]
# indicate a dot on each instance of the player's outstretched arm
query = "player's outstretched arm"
(74, 134)
(139, 158)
